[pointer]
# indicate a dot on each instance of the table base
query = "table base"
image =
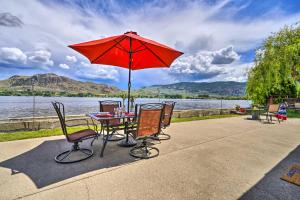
(114, 137)
(130, 142)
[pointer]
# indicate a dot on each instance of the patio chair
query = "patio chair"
(74, 138)
(166, 121)
(271, 112)
(114, 124)
(149, 123)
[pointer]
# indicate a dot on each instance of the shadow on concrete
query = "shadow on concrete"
(39, 164)
(271, 186)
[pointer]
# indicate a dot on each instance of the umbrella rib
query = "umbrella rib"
(154, 54)
(109, 49)
(121, 47)
(137, 49)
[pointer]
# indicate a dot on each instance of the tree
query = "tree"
(276, 70)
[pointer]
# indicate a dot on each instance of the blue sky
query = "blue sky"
(219, 37)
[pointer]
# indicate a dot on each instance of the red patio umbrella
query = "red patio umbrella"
(129, 51)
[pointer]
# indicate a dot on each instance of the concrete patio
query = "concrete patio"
(227, 158)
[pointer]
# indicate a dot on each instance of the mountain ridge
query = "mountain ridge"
(218, 88)
(51, 82)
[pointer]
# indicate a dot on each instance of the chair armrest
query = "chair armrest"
(77, 124)
(81, 124)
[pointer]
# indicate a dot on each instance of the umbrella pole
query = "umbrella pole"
(129, 78)
(129, 86)
(128, 142)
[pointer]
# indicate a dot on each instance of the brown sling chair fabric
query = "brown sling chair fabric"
(74, 138)
(110, 106)
(114, 124)
(271, 112)
(149, 123)
(168, 112)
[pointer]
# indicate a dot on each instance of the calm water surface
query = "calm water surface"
(14, 107)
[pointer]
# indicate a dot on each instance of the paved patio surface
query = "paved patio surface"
(228, 158)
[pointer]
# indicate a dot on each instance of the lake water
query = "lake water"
(21, 106)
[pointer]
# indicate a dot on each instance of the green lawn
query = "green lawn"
(20, 135)
(293, 113)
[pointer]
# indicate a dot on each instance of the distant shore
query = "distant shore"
(117, 95)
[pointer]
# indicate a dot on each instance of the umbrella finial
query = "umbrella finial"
(132, 32)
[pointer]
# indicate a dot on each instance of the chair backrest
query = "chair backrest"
(149, 119)
(109, 105)
(168, 112)
(273, 108)
(60, 110)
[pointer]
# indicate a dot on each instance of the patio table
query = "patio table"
(105, 117)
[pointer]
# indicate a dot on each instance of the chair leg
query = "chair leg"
(144, 151)
(96, 137)
(161, 136)
(61, 158)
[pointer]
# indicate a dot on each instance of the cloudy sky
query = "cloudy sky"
(218, 37)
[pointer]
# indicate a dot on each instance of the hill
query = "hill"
(197, 89)
(52, 84)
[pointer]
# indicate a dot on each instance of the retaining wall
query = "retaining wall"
(51, 122)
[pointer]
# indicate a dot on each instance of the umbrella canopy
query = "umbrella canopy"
(129, 51)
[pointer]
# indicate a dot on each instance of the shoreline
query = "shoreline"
(141, 97)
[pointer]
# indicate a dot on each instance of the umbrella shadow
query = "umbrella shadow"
(39, 165)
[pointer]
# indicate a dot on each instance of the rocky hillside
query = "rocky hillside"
(54, 83)
(222, 88)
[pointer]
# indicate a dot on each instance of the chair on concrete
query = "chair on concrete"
(75, 138)
(271, 112)
(149, 123)
(166, 121)
(114, 124)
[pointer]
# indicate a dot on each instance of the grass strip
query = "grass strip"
(21, 135)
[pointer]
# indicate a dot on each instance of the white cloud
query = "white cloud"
(12, 55)
(41, 57)
(234, 72)
(204, 64)
(85, 64)
(89, 71)
(72, 59)
(64, 66)
(224, 56)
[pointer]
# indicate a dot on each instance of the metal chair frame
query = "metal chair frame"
(114, 128)
(270, 113)
(60, 158)
(144, 146)
(162, 135)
